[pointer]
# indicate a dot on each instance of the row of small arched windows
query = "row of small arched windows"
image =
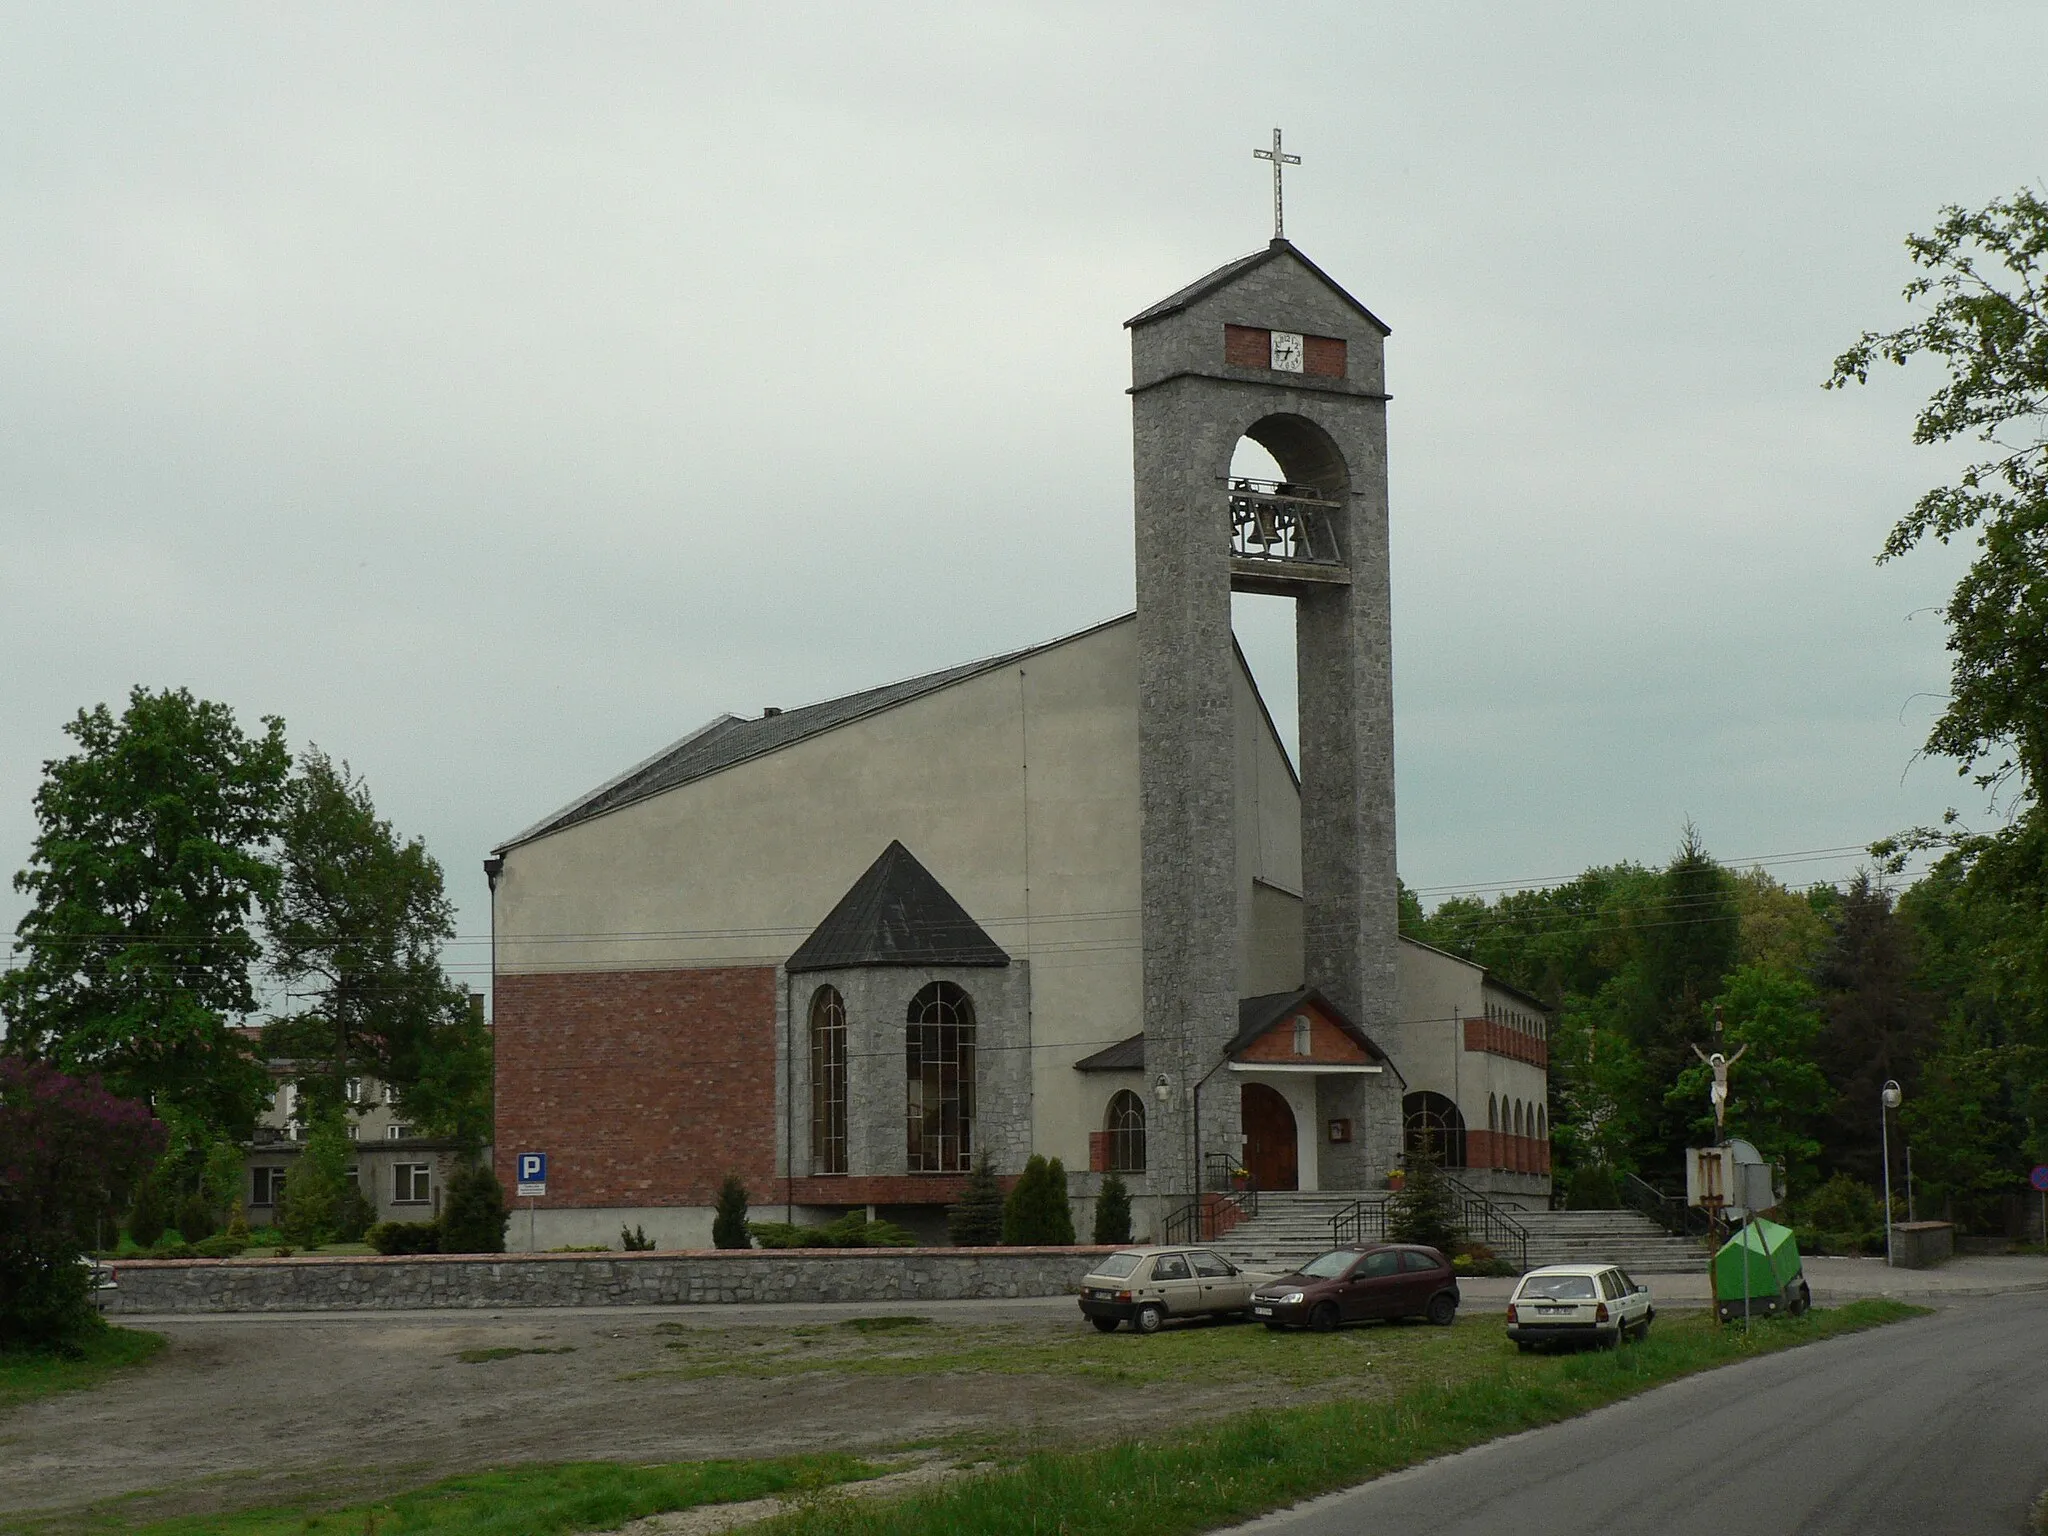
(1514, 1117)
(1521, 1019)
(938, 1071)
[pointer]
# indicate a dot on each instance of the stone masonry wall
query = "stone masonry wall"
(595, 1280)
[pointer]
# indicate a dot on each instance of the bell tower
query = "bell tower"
(1267, 348)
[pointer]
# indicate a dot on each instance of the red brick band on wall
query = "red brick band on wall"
(1507, 1153)
(1251, 346)
(1500, 1040)
(644, 1088)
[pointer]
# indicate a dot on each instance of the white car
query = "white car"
(1578, 1303)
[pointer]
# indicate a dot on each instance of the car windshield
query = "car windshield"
(1330, 1266)
(1118, 1265)
(1559, 1287)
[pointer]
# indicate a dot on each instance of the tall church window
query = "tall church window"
(1433, 1128)
(940, 1067)
(828, 1081)
(1126, 1127)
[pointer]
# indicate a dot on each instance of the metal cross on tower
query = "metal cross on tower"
(1274, 154)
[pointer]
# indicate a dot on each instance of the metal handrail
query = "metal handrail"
(1197, 1221)
(1362, 1221)
(1495, 1227)
(1669, 1211)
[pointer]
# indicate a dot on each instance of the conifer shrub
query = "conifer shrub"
(1037, 1214)
(635, 1240)
(316, 1183)
(147, 1218)
(473, 1216)
(977, 1221)
(729, 1226)
(1425, 1210)
(195, 1217)
(404, 1237)
(1113, 1212)
(353, 1213)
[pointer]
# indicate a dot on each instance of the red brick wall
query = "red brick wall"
(1247, 347)
(643, 1087)
(1327, 1043)
(1500, 1040)
(1323, 355)
(1506, 1151)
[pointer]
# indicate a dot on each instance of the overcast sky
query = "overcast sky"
(497, 392)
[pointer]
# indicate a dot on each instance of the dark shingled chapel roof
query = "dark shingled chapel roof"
(1124, 1056)
(896, 914)
(1256, 1015)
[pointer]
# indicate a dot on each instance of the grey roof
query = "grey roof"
(1202, 287)
(1124, 1056)
(730, 740)
(896, 913)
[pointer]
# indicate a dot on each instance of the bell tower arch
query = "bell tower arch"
(1270, 348)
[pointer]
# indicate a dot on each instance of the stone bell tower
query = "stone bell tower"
(1268, 348)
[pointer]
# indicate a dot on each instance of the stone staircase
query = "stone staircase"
(1292, 1228)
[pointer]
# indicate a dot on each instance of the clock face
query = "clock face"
(1287, 352)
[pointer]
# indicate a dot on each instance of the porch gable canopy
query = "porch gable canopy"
(1300, 1031)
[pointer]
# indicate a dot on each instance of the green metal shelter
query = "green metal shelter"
(1757, 1272)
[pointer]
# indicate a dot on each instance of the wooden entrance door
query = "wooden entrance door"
(1269, 1147)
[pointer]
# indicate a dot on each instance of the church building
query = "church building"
(1075, 900)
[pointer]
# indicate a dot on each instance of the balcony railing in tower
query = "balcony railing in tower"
(1278, 524)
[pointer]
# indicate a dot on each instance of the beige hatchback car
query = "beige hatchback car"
(1146, 1286)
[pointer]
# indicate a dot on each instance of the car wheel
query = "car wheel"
(1802, 1301)
(1104, 1324)
(1324, 1318)
(1148, 1319)
(1443, 1311)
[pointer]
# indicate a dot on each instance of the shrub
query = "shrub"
(225, 1246)
(729, 1226)
(353, 1213)
(195, 1218)
(853, 1230)
(1113, 1212)
(1592, 1188)
(1842, 1216)
(473, 1217)
(314, 1187)
(238, 1223)
(1424, 1211)
(148, 1219)
(636, 1241)
(68, 1151)
(1037, 1214)
(977, 1221)
(403, 1237)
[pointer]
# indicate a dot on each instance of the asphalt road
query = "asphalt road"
(1926, 1427)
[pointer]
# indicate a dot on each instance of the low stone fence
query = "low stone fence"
(321, 1284)
(1922, 1244)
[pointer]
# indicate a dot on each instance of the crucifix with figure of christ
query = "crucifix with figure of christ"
(1279, 160)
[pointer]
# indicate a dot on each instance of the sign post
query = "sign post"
(532, 1185)
(2039, 1179)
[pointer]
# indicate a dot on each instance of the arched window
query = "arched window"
(1492, 1113)
(1518, 1117)
(1304, 1042)
(1543, 1122)
(1433, 1128)
(1126, 1126)
(940, 1068)
(828, 1081)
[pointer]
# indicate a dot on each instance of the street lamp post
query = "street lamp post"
(1888, 1100)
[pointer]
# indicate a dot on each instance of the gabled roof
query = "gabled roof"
(1256, 1015)
(896, 914)
(1229, 272)
(729, 740)
(1124, 1056)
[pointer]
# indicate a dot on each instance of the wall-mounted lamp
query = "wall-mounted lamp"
(1162, 1088)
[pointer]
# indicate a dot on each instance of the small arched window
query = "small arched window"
(1125, 1123)
(939, 1065)
(828, 1081)
(1304, 1042)
(1542, 1122)
(1518, 1117)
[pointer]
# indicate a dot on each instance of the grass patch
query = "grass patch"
(30, 1374)
(538, 1500)
(1255, 1462)
(884, 1324)
(506, 1352)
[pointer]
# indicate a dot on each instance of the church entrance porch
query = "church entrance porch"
(1271, 1153)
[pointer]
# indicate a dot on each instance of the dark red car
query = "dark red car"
(1355, 1285)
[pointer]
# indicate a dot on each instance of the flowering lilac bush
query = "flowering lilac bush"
(69, 1153)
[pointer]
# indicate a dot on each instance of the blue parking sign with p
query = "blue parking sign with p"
(533, 1173)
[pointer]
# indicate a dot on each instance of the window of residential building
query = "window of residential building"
(397, 1132)
(269, 1185)
(939, 1062)
(1126, 1126)
(828, 1081)
(411, 1183)
(353, 1090)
